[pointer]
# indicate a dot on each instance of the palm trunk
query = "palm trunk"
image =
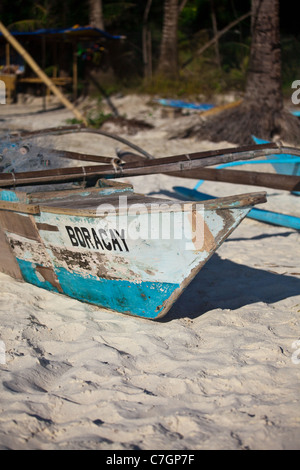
(264, 74)
(95, 14)
(168, 61)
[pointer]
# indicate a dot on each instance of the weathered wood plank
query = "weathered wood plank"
(8, 263)
(148, 204)
(19, 224)
(253, 178)
(19, 207)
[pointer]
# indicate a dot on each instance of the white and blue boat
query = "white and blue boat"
(96, 240)
(111, 247)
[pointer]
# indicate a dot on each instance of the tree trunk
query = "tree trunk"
(264, 73)
(95, 14)
(262, 111)
(146, 36)
(168, 61)
(215, 31)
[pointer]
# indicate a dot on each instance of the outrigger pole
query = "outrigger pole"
(168, 165)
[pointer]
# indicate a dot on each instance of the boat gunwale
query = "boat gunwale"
(168, 205)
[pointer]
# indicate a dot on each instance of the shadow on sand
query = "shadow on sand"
(221, 283)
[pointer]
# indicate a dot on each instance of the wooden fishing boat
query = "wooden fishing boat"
(99, 242)
(111, 247)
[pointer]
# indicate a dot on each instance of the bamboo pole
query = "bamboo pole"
(252, 178)
(122, 156)
(35, 67)
(173, 164)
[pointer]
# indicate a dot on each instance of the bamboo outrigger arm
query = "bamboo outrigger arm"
(251, 178)
(35, 67)
(172, 164)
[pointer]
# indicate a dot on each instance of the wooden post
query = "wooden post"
(7, 63)
(31, 62)
(75, 71)
(7, 54)
(44, 88)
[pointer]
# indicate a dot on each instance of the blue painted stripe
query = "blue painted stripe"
(275, 218)
(29, 274)
(184, 104)
(7, 195)
(144, 299)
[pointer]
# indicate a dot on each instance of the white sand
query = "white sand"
(220, 371)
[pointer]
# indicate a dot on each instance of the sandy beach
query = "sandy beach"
(220, 371)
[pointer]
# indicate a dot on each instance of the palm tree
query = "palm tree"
(262, 111)
(96, 14)
(168, 60)
(263, 87)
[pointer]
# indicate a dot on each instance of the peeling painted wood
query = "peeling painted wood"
(8, 263)
(19, 224)
(136, 263)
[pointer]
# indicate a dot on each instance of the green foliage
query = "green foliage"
(188, 17)
(202, 76)
(113, 12)
(290, 52)
(26, 25)
(97, 117)
(95, 121)
(73, 121)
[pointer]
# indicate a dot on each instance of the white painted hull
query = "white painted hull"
(134, 262)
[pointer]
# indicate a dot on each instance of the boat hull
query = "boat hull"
(136, 262)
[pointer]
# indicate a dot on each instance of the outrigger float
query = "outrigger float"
(100, 242)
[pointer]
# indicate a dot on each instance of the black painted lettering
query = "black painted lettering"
(72, 236)
(80, 237)
(114, 240)
(122, 237)
(96, 240)
(102, 234)
(87, 237)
